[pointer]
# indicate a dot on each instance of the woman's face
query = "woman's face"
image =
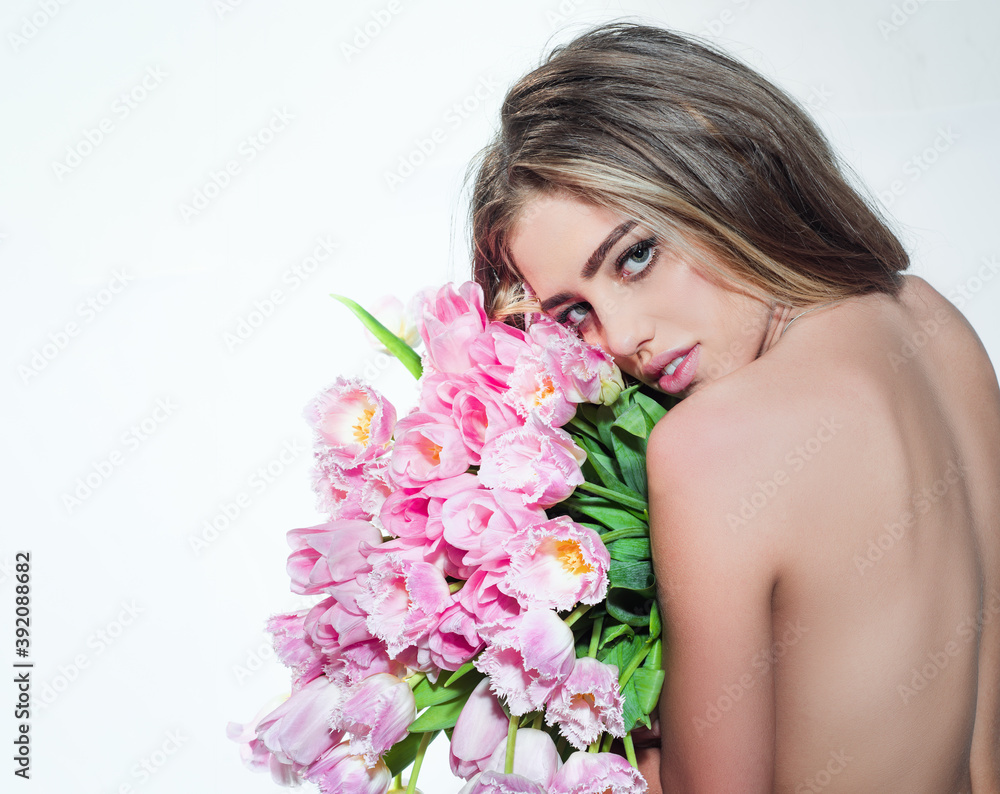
(663, 322)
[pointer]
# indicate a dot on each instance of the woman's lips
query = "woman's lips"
(683, 373)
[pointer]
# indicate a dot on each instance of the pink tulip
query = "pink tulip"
(353, 420)
(584, 372)
(298, 730)
(403, 600)
(375, 489)
(255, 754)
(338, 490)
(481, 727)
(454, 639)
(295, 648)
(340, 771)
(529, 659)
(499, 783)
(541, 464)
(428, 447)
(492, 609)
(375, 714)
(588, 703)
(448, 322)
(535, 756)
(328, 553)
(480, 521)
(535, 391)
(597, 773)
(556, 565)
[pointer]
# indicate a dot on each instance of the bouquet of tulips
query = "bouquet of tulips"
(485, 571)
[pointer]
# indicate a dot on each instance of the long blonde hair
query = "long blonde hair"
(698, 147)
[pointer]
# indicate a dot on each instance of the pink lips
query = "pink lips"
(682, 376)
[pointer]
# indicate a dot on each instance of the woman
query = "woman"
(824, 498)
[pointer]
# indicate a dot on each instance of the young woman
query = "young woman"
(824, 499)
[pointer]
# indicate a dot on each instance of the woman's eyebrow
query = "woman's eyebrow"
(593, 263)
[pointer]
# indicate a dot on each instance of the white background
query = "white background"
(908, 93)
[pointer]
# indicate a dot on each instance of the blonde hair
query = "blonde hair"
(705, 152)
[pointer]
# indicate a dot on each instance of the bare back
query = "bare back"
(878, 534)
(890, 571)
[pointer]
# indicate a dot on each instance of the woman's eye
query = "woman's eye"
(574, 315)
(637, 258)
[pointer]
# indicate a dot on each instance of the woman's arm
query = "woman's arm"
(715, 585)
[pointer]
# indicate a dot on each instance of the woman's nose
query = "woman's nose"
(622, 332)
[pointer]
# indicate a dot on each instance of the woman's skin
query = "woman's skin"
(824, 509)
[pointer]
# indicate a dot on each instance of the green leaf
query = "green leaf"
(630, 606)
(604, 465)
(631, 575)
(630, 549)
(626, 499)
(655, 623)
(444, 715)
(402, 753)
(465, 668)
(406, 354)
(647, 684)
(653, 409)
(427, 694)
(630, 453)
(634, 422)
(601, 417)
(615, 631)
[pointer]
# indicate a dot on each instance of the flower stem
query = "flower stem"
(626, 532)
(630, 750)
(613, 496)
(454, 587)
(415, 679)
(508, 766)
(595, 637)
(537, 722)
(425, 740)
(636, 661)
(606, 744)
(576, 614)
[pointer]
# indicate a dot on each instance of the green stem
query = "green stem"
(595, 745)
(613, 496)
(626, 532)
(425, 740)
(576, 614)
(630, 750)
(537, 722)
(415, 679)
(397, 782)
(606, 744)
(454, 587)
(595, 637)
(634, 664)
(508, 766)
